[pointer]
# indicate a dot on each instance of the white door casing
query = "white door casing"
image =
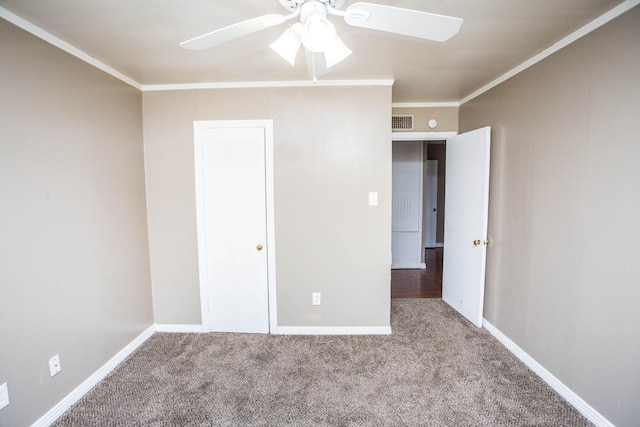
(406, 228)
(466, 219)
(431, 204)
(234, 206)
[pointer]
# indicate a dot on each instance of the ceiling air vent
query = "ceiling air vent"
(402, 122)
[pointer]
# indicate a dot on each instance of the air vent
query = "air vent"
(402, 122)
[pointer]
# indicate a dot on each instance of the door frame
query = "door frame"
(422, 136)
(427, 136)
(267, 125)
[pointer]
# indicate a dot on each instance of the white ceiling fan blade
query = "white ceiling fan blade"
(407, 22)
(233, 31)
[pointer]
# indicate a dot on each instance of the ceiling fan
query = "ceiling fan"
(317, 34)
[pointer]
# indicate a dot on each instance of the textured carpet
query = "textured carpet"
(435, 370)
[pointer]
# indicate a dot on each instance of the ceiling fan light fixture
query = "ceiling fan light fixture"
(288, 43)
(336, 53)
(318, 33)
(322, 45)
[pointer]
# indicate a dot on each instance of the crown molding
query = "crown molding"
(425, 104)
(266, 84)
(63, 45)
(72, 50)
(583, 31)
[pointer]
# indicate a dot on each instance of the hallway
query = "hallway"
(419, 283)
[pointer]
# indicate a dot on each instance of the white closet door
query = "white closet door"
(406, 228)
(235, 229)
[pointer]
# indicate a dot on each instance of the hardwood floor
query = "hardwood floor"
(419, 283)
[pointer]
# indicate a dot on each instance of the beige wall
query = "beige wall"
(447, 118)
(74, 269)
(563, 276)
(331, 147)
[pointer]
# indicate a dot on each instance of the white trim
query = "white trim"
(77, 394)
(423, 265)
(424, 104)
(576, 401)
(266, 84)
(202, 276)
(334, 330)
(188, 329)
(583, 31)
(61, 44)
(439, 245)
(267, 125)
(420, 247)
(421, 136)
(271, 227)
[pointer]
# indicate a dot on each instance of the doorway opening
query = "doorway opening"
(424, 279)
(419, 282)
(466, 223)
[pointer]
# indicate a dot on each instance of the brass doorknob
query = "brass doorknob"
(476, 242)
(259, 247)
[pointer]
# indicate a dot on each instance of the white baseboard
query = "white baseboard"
(333, 330)
(576, 401)
(62, 406)
(192, 329)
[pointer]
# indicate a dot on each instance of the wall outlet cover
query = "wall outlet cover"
(54, 365)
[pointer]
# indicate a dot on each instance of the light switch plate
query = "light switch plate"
(373, 198)
(4, 395)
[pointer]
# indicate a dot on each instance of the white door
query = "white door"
(233, 225)
(465, 224)
(431, 204)
(406, 219)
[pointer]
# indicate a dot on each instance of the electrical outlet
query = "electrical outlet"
(54, 365)
(315, 298)
(373, 198)
(4, 395)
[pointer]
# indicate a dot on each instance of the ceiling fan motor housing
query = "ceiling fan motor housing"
(292, 5)
(310, 9)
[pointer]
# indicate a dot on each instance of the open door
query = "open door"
(465, 224)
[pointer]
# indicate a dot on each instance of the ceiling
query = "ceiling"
(139, 38)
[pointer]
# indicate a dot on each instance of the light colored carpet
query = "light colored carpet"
(435, 370)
